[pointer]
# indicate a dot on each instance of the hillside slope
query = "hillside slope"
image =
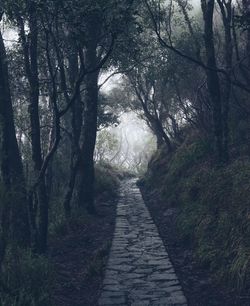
(210, 209)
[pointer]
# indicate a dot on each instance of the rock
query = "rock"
(139, 272)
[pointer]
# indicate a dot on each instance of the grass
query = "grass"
(27, 279)
(106, 188)
(107, 180)
(214, 207)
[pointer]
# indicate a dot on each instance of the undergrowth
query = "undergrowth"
(107, 182)
(26, 279)
(214, 207)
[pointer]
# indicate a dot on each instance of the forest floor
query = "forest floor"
(80, 257)
(196, 281)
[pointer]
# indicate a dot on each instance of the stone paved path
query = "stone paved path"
(139, 272)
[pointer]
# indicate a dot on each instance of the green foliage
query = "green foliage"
(27, 279)
(58, 226)
(187, 155)
(106, 146)
(213, 207)
(107, 180)
(214, 214)
(107, 112)
(172, 168)
(243, 21)
(106, 187)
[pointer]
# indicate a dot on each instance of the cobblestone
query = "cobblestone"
(139, 271)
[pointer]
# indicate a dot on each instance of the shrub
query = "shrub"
(27, 279)
(214, 215)
(107, 180)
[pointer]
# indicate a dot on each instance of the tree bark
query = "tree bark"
(90, 112)
(76, 127)
(226, 12)
(246, 9)
(30, 49)
(86, 192)
(154, 123)
(14, 219)
(213, 81)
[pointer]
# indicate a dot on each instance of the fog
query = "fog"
(10, 35)
(129, 145)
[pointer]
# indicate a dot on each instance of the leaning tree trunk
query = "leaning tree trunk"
(14, 219)
(161, 135)
(156, 126)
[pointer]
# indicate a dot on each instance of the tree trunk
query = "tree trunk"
(86, 192)
(156, 126)
(226, 12)
(246, 9)
(14, 223)
(76, 127)
(90, 113)
(36, 136)
(159, 140)
(30, 49)
(213, 81)
(161, 134)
